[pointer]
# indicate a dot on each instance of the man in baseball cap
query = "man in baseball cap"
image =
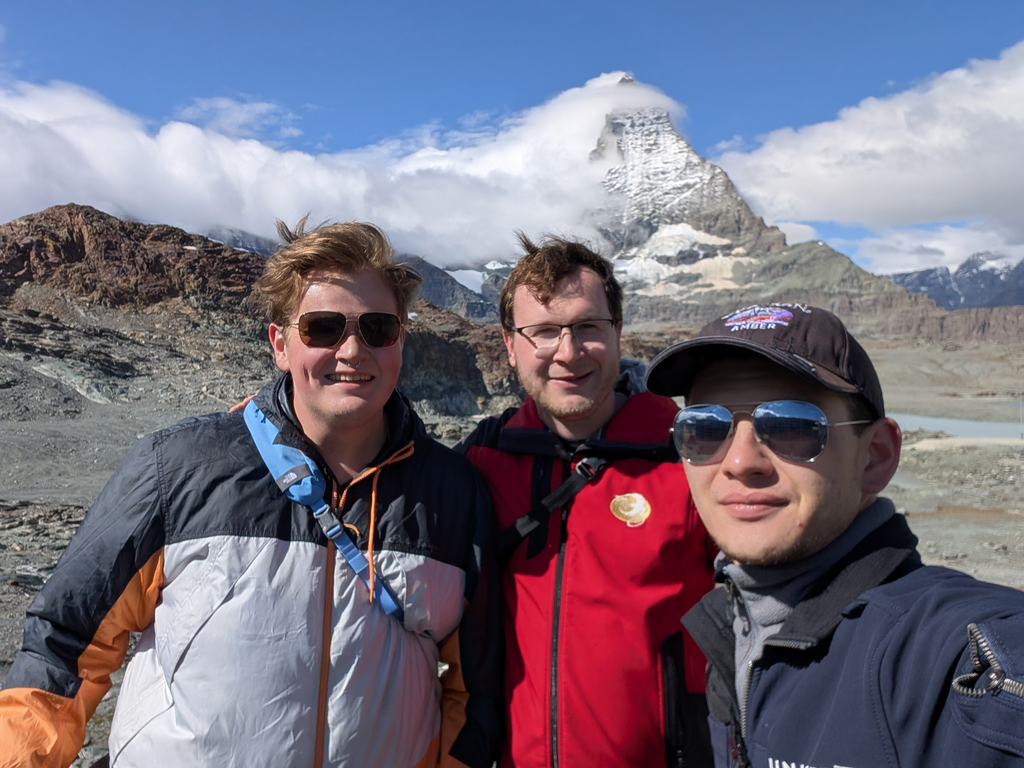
(830, 644)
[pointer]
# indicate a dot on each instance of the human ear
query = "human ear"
(507, 338)
(883, 440)
(277, 341)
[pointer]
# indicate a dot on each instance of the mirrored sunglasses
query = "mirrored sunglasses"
(326, 329)
(791, 429)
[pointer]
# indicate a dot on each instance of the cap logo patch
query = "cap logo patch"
(631, 508)
(758, 319)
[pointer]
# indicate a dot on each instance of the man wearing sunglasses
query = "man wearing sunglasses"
(830, 644)
(297, 571)
(602, 546)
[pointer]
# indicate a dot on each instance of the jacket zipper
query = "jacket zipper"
(984, 658)
(554, 649)
(674, 738)
(325, 660)
(555, 621)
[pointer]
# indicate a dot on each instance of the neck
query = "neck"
(348, 448)
(580, 428)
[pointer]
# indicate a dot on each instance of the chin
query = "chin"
(569, 408)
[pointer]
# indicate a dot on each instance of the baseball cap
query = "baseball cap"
(809, 341)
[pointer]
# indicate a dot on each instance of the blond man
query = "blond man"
(287, 618)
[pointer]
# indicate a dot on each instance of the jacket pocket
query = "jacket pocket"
(687, 738)
(989, 687)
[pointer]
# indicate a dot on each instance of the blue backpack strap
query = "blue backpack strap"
(300, 479)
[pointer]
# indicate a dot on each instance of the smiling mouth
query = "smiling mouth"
(350, 378)
(754, 507)
(570, 381)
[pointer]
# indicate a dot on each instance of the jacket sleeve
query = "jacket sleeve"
(76, 632)
(472, 722)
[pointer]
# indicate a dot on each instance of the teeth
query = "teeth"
(350, 377)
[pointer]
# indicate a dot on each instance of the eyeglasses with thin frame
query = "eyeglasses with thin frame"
(587, 333)
(320, 330)
(793, 430)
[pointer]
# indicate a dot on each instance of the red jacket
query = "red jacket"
(597, 670)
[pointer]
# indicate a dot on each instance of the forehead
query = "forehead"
(363, 291)
(579, 296)
(755, 381)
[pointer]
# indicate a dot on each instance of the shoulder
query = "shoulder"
(937, 594)
(446, 464)
(954, 647)
(487, 433)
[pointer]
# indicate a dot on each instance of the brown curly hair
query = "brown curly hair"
(542, 266)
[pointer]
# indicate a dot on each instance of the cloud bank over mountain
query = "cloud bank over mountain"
(948, 153)
(453, 195)
(925, 177)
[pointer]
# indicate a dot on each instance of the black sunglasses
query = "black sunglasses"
(326, 329)
(791, 429)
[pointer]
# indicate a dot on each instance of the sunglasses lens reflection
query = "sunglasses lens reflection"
(322, 329)
(379, 329)
(791, 429)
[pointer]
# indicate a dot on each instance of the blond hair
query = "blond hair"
(349, 247)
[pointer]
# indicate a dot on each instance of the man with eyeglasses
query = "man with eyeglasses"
(297, 571)
(829, 643)
(603, 550)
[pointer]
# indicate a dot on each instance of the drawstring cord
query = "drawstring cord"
(339, 505)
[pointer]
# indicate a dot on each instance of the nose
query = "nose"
(745, 455)
(351, 349)
(567, 350)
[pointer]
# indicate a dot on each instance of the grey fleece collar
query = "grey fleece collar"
(764, 596)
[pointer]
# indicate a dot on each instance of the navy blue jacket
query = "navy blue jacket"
(886, 663)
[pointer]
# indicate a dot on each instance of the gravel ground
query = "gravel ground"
(61, 437)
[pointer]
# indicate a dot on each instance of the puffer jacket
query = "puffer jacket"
(259, 644)
(597, 669)
(885, 663)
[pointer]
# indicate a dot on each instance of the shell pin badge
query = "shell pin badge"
(631, 508)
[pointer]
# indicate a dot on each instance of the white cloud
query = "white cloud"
(241, 119)
(913, 248)
(454, 196)
(797, 232)
(949, 150)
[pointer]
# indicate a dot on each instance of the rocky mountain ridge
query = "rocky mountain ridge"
(99, 304)
(985, 279)
(663, 187)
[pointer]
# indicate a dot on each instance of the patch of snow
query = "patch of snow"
(470, 278)
(715, 275)
(670, 239)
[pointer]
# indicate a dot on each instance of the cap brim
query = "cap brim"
(672, 371)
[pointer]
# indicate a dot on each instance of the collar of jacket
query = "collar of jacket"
(275, 400)
(886, 553)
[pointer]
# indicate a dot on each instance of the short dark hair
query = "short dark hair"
(349, 247)
(554, 259)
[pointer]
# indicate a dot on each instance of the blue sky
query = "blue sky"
(96, 98)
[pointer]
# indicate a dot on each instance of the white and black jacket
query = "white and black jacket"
(259, 644)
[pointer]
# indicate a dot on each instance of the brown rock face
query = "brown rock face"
(104, 260)
(813, 273)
